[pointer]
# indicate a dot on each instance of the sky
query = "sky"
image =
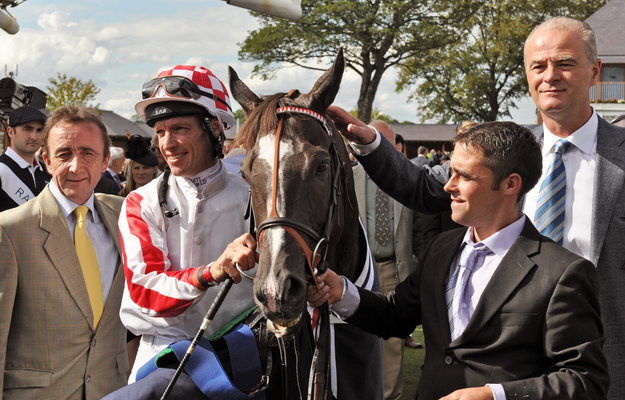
(119, 45)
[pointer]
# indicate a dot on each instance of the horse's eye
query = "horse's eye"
(322, 168)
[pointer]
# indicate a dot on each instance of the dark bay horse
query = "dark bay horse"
(303, 199)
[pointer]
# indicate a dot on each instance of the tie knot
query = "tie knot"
(561, 146)
(473, 255)
(81, 213)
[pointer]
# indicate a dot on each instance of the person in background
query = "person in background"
(61, 279)
(422, 156)
(227, 146)
(141, 165)
(162, 164)
(400, 144)
(116, 164)
(22, 176)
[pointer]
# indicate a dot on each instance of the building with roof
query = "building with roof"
(117, 127)
(608, 95)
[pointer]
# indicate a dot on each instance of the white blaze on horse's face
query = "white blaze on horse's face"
(277, 237)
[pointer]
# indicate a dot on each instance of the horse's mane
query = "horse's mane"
(262, 119)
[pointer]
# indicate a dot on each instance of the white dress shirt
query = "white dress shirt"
(103, 244)
(579, 162)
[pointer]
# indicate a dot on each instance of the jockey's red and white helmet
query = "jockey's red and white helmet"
(185, 89)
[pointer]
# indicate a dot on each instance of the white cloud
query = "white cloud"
(120, 45)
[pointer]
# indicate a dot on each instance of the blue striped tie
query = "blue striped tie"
(549, 218)
(471, 259)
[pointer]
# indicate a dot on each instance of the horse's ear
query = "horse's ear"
(241, 93)
(326, 87)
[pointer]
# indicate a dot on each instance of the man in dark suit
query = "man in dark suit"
(116, 164)
(421, 158)
(519, 320)
(61, 280)
(561, 65)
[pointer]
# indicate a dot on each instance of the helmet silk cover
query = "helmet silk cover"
(206, 81)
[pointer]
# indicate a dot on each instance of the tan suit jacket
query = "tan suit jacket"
(48, 346)
(402, 224)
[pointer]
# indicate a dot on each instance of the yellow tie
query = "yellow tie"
(88, 263)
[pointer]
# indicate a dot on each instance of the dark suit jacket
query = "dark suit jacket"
(106, 185)
(49, 348)
(536, 329)
(106, 174)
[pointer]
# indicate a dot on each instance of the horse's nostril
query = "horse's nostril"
(293, 290)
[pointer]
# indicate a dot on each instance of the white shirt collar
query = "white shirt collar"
(585, 138)
(501, 241)
(20, 161)
(67, 206)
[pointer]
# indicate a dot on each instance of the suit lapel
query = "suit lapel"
(62, 253)
(439, 266)
(609, 180)
(509, 274)
(110, 218)
(397, 211)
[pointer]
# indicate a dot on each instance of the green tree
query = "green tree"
(377, 114)
(481, 76)
(375, 35)
(239, 116)
(70, 91)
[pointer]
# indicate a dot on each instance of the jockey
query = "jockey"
(184, 232)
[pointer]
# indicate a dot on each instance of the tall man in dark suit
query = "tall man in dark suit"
(561, 65)
(507, 313)
(61, 275)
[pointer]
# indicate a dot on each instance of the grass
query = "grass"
(413, 360)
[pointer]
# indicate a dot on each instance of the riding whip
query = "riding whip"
(210, 314)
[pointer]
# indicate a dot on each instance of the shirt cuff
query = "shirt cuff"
(498, 392)
(347, 306)
(365, 149)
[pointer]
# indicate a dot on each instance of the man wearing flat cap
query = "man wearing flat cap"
(22, 177)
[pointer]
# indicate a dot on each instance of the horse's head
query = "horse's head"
(298, 171)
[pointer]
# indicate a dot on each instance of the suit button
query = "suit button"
(448, 360)
(88, 378)
(93, 343)
(197, 240)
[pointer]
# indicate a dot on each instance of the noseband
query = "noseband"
(316, 259)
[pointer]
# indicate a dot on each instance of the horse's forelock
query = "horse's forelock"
(262, 120)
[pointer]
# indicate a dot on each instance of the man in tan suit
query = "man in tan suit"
(60, 333)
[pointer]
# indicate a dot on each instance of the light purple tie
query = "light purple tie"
(471, 259)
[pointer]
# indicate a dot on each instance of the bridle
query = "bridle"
(319, 386)
(316, 259)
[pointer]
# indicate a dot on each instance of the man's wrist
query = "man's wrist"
(204, 277)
